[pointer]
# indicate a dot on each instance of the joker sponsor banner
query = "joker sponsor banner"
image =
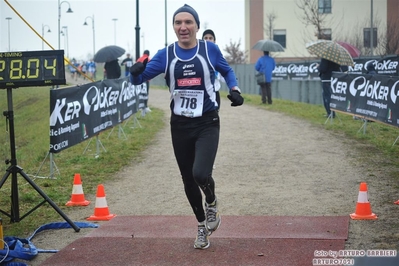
(371, 96)
(307, 70)
(81, 112)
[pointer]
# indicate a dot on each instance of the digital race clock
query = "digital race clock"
(34, 68)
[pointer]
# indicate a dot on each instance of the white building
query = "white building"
(339, 20)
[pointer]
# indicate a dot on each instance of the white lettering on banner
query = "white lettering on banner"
(366, 112)
(386, 64)
(108, 112)
(338, 86)
(377, 104)
(102, 126)
(130, 103)
(127, 115)
(356, 68)
(313, 68)
(338, 98)
(297, 69)
(394, 92)
(71, 112)
(373, 91)
(64, 129)
(101, 99)
(280, 70)
(128, 92)
(59, 146)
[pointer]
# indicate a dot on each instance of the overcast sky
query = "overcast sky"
(225, 17)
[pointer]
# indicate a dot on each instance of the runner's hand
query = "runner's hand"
(138, 68)
(235, 98)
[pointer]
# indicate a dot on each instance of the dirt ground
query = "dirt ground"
(267, 164)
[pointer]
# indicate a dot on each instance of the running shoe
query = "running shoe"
(202, 241)
(212, 216)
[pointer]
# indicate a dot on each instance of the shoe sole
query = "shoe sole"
(216, 228)
(205, 247)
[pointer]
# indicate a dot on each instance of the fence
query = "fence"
(298, 81)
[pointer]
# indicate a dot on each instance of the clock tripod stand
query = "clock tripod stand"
(13, 170)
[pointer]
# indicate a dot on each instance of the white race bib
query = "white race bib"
(188, 102)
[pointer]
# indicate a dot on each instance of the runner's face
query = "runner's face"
(186, 30)
(209, 37)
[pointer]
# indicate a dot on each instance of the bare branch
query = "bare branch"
(234, 54)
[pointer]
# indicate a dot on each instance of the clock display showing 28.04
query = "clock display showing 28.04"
(33, 68)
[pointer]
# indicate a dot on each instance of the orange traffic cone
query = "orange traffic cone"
(363, 208)
(101, 211)
(78, 197)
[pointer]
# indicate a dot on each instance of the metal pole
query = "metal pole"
(43, 28)
(42, 37)
(59, 25)
(137, 31)
(371, 31)
(94, 37)
(114, 19)
(59, 20)
(166, 28)
(9, 39)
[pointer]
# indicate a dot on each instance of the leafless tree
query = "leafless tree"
(310, 15)
(269, 25)
(234, 54)
(390, 42)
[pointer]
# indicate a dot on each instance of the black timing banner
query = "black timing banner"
(81, 112)
(370, 96)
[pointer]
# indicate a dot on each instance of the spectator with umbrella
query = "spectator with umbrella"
(266, 65)
(112, 69)
(333, 56)
(326, 67)
(109, 55)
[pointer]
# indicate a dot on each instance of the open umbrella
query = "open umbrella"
(108, 53)
(268, 45)
(331, 51)
(353, 51)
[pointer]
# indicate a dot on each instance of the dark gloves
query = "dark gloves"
(235, 98)
(138, 68)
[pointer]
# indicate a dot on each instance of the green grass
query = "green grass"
(31, 116)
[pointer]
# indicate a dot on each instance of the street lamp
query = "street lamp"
(115, 20)
(9, 42)
(43, 28)
(94, 38)
(66, 40)
(59, 20)
(137, 31)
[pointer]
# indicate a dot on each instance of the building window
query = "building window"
(367, 37)
(324, 6)
(280, 37)
(325, 34)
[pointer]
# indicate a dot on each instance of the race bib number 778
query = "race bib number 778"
(188, 102)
